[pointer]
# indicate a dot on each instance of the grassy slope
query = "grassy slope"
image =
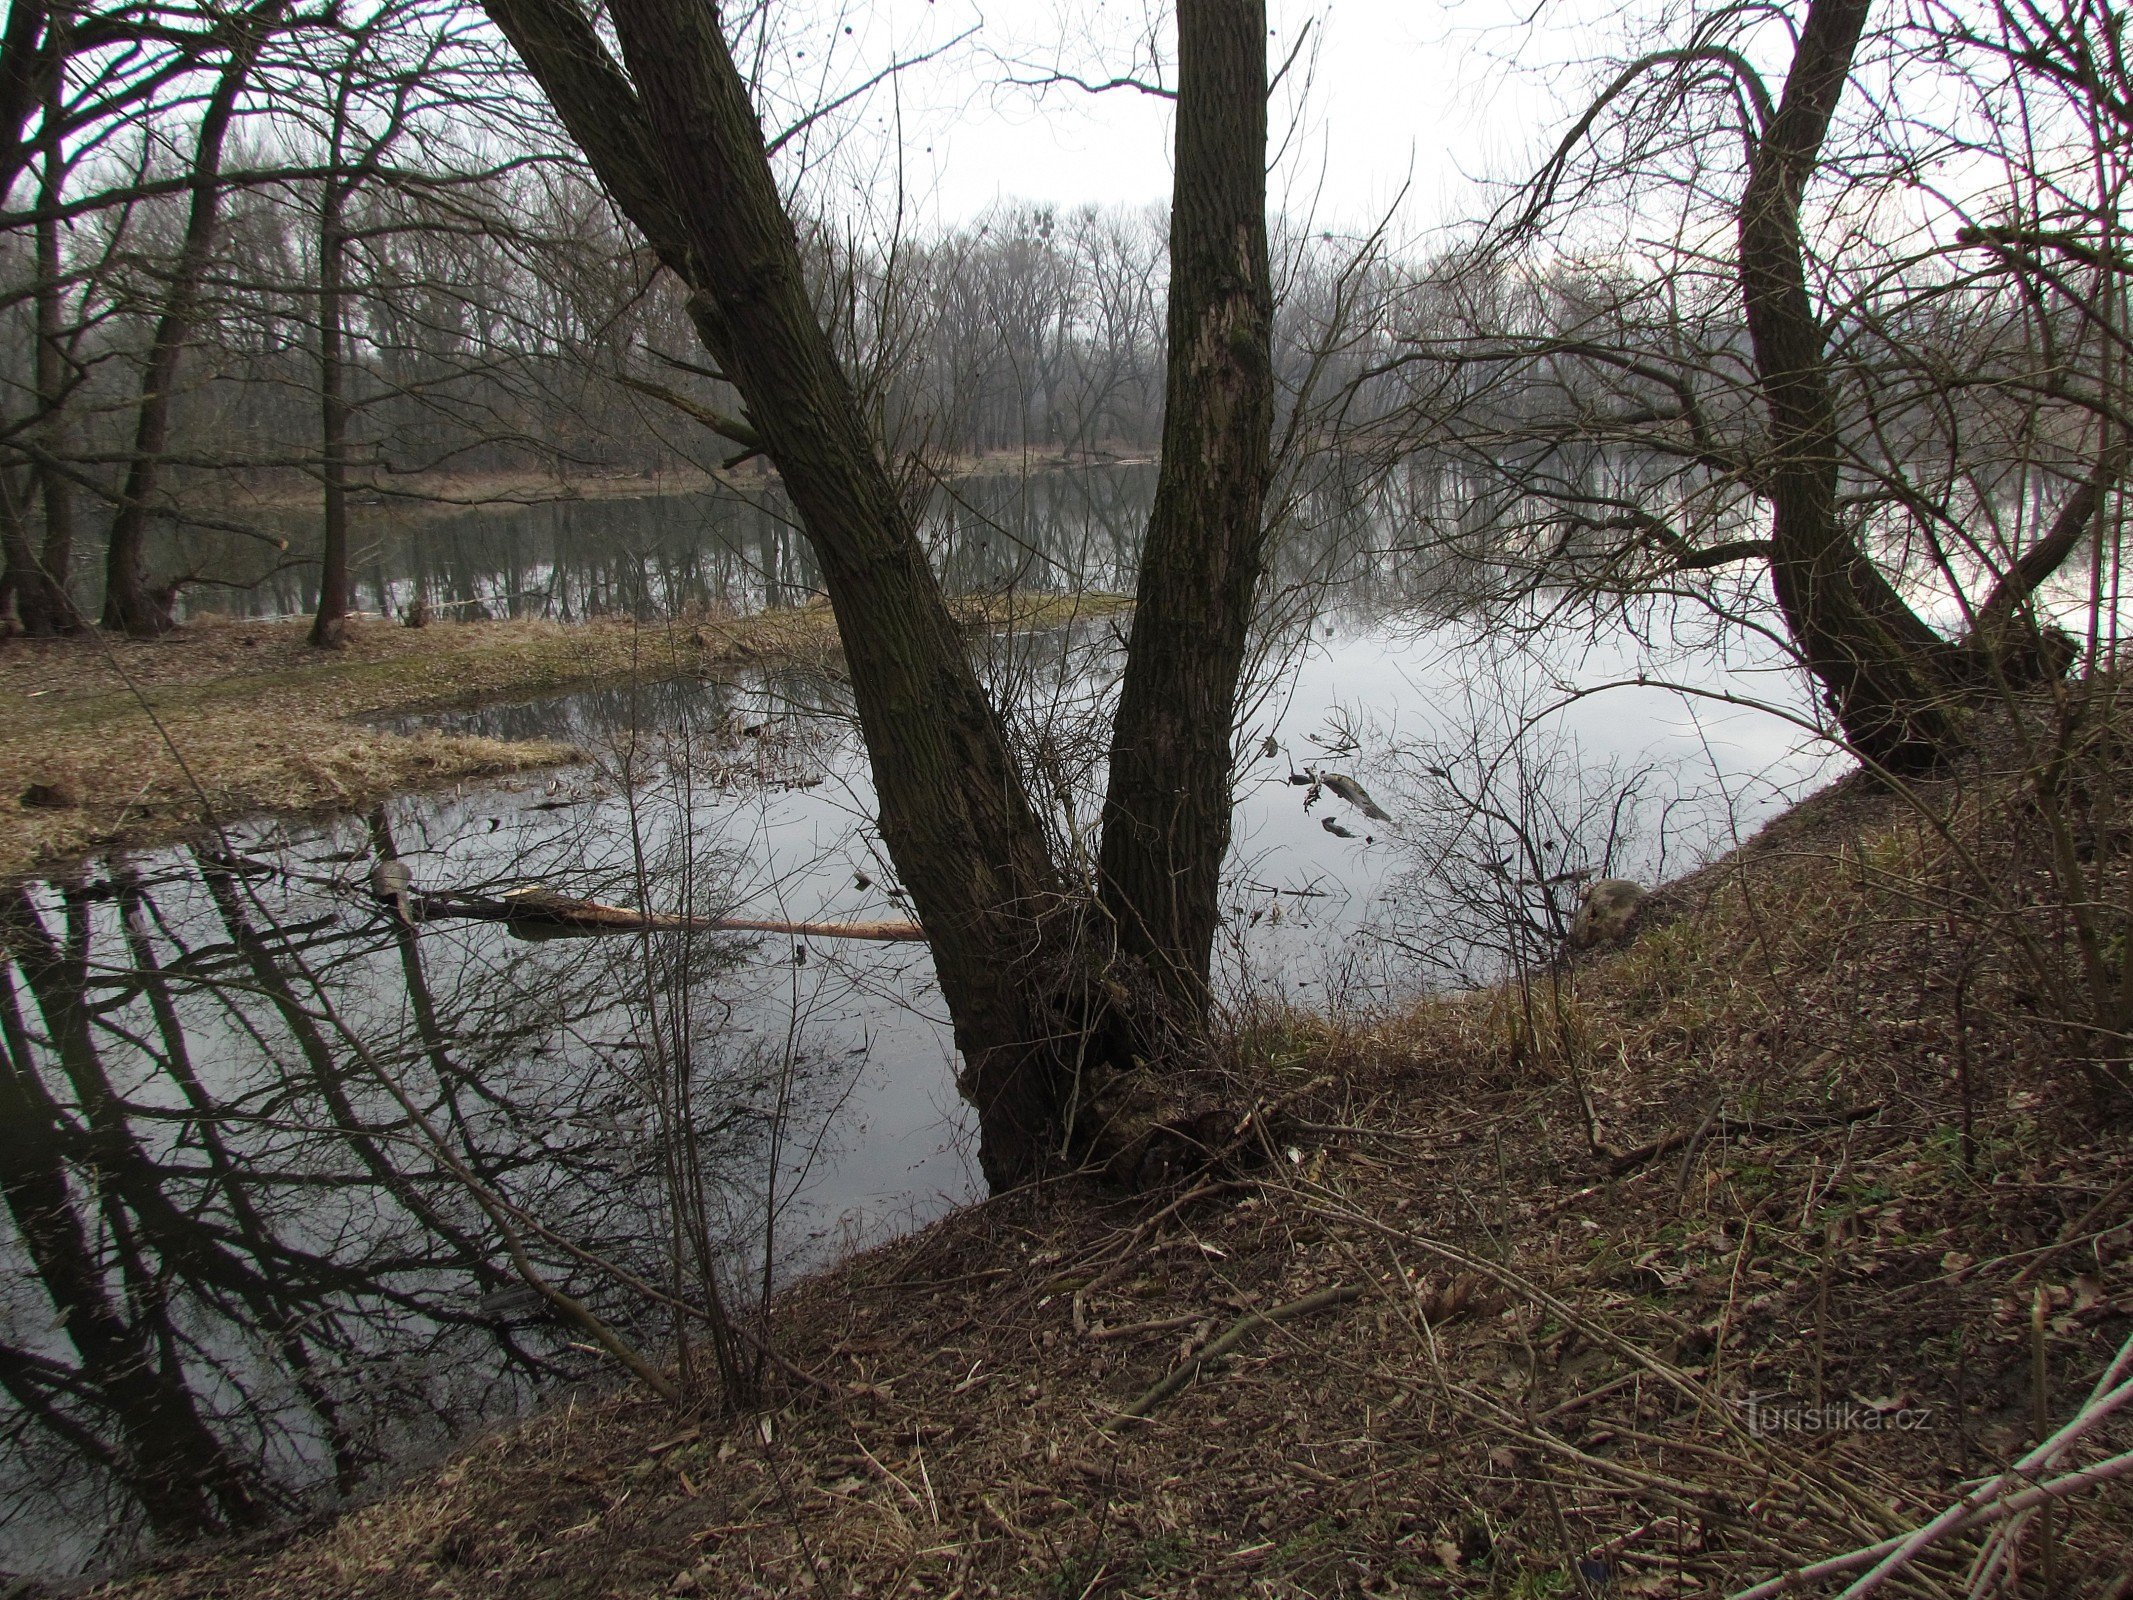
(1549, 1320)
(263, 723)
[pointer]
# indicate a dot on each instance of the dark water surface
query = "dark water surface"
(276, 1158)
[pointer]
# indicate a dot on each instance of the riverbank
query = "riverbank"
(119, 743)
(1738, 1246)
(438, 494)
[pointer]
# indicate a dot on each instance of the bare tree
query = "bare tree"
(1804, 386)
(678, 145)
(129, 604)
(388, 74)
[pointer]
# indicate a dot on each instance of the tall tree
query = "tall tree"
(1876, 660)
(44, 603)
(676, 140)
(369, 103)
(1831, 408)
(1167, 810)
(38, 572)
(130, 605)
(329, 625)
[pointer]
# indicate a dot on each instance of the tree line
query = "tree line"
(297, 259)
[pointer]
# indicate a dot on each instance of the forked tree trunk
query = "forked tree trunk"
(678, 147)
(130, 606)
(1167, 810)
(1884, 671)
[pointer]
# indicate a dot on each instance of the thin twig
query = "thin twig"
(1237, 1332)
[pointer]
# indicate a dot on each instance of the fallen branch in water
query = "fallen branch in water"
(546, 911)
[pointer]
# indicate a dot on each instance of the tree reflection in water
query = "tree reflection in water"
(266, 1148)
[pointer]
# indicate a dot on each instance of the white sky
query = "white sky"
(1403, 96)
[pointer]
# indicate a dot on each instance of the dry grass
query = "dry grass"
(441, 494)
(1579, 1221)
(264, 723)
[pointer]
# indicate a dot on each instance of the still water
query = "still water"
(276, 1155)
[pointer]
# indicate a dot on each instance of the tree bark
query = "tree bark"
(129, 605)
(47, 606)
(1037, 1012)
(687, 163)
(1167, 808)
(26, 61)
(19, 576)
(1882, 669)
(2009, 643)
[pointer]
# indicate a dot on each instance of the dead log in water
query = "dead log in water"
(545, 911)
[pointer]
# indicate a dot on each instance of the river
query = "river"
(277, 1146)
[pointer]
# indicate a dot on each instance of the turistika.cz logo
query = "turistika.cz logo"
(1779, 1413)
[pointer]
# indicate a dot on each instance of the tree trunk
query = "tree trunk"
(329, 627)
(1167, 810)
(688, 165)
(26, 64)
(1883, 670)
(129, 605)
(49, 607)
(2010, 645)
(37, 576)
(1038, 1017)
(18, 577)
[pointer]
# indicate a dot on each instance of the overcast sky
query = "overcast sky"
(1416, 98)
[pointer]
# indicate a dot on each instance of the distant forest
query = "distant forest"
(266, 270)
(281, 259)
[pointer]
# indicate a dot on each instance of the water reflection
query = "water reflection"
(268, 1149)
(1416, 536)
(734, 549)
(277, 1159)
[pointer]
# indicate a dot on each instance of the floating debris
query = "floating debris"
(543, 911)
(1356, 795)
